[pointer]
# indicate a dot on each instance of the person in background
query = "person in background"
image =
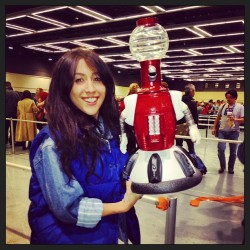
(211, 107)
(76, 190)
(231, 116)
(40, 116)
(199, 107)
(205, 110)
(188, 98)
(216, 107)
(26, 109)
(37, 94)
(11, 100)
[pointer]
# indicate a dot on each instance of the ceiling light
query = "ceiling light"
(184, 8)
(16, 17)
(195, 32)
(203, 32)
(94, 14)
(49, 10)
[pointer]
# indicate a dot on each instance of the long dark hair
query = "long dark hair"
(71, 128)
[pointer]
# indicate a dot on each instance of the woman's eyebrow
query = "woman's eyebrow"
(82, 74)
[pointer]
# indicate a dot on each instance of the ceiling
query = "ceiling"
(206, 43)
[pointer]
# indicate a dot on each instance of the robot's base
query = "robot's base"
(164, 171)
(167, 186)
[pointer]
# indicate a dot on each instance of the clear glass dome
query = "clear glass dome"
(148, 42)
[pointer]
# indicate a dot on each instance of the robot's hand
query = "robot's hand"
(123, 143)
(194, 133)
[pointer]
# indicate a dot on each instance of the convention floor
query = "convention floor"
(212, 222)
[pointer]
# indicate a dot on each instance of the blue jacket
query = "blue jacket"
(56, 204)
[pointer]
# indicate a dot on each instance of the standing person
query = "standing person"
(230, 115)
(189, 100)
(76, 191)
(37, 94)
(11, 100)
(26, 109)
(40, 116)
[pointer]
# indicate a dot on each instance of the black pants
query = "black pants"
(190, 144)
(7, 127)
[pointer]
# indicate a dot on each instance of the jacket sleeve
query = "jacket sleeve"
(193, 108)
(65, 198)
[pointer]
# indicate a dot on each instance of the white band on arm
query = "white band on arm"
(89, 212)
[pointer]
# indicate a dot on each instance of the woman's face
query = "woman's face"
(88, 91)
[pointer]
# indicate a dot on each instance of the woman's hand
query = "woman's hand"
(130, 198)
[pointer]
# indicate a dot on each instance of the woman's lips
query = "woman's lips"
(90, 100)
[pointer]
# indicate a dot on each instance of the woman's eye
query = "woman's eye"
(78, 80)
(97, 79)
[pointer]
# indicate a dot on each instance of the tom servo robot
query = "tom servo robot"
(157, 166)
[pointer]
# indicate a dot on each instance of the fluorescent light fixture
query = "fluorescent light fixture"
(87, 24)
(235, 49)
(159, 8)
(94, 14)
(202, 32)
(16, 27)
(218, 61)
(238, 68)
(148, 9)
(84, 45)
(56, 47)
(49, 10)
(50, 21)
(184, 8)
(228, 49)
(220, 23)
(16, 17)
(132, 17)
(113, 40)
(195, 32)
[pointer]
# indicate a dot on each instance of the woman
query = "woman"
(26, 109)
(76, 190)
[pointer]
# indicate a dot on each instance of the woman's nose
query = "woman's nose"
(89, 87)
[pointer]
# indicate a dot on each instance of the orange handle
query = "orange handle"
(163, 203)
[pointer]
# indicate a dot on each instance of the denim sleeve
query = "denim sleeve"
(65, 199)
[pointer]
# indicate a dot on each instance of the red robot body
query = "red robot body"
(154, 125)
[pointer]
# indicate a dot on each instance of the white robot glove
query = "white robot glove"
(194, 133)
(123, 143)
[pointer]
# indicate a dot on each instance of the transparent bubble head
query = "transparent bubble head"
(149, 40)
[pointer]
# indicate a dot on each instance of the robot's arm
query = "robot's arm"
(127, 115)
(193, 129)
(177, 103)
(123, 136)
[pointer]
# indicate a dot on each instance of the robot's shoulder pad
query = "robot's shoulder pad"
(176, 97)
(175, 94)
(130, 103)
(130, 100)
